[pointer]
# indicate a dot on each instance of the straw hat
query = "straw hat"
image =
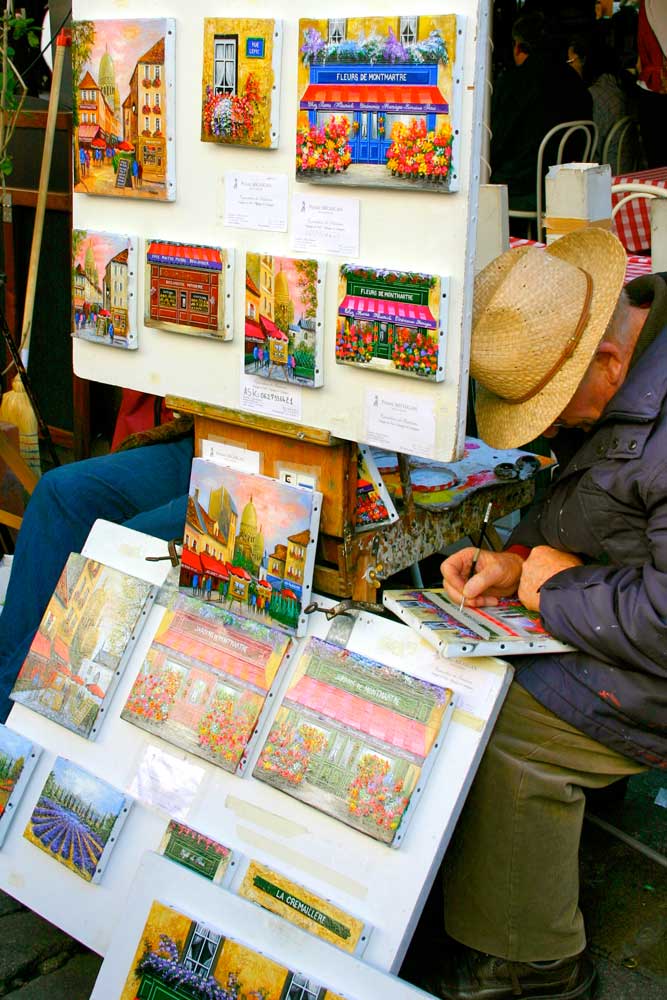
(538, 317)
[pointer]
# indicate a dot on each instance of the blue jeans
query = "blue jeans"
(144, 488)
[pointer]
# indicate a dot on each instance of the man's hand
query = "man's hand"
(542, 563)
(497, 574)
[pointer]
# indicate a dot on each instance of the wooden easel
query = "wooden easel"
(348, 564)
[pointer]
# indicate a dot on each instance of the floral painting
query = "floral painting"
(249, 544)
(104, 288)
(352, 737)
(392, 321)
(18, 757)
(81, 645)
(374, 505)
(375, 101)
(205, 680)
(185, 957)
(77, 819)
(284, 322)
(241, 81)
(123, 116)
(189, 288)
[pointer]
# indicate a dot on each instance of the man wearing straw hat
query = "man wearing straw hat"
(558, 347)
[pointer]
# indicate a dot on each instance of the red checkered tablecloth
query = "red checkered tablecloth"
(632, 224)
(635, 266)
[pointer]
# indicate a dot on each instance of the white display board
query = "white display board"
(409, 230)
(240, 920)
(384, 887)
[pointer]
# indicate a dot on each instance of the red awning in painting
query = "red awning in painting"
(238, 571)
(95, 690)
(77, 679)
(402, 313)
(365, 97)
(126, 147)
(361, 715)
(99, 143)
(184, 255)
(213, 566)
(270, 329)
(41, 645)
(88, 132)
(253, 331)
(190, 560)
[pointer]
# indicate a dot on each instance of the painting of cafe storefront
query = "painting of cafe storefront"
(185, 288)
(390, 320)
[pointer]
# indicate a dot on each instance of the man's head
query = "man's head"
(543, 350)
(527, 35)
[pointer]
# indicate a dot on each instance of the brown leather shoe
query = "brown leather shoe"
(476, 976)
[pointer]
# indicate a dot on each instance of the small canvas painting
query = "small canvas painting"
(82, 644)
(206, 676)
(249, 544)
(18, 757)
(392, 321)
(374, 505)
(377, 101)
(354, 738)
(284, 321)
(177, 955)
(189, 289)
(77, 819)
(294, 902)
(241, 81)
(104, 288)
(123, 79)
(195, 851)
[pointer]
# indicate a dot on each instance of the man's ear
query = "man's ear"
(610, 361)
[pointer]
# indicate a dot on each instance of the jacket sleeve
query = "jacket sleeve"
(617, 613)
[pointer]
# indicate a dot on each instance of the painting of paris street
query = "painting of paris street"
(82, 644)
(123, 79)
(104, 288)
(284, 321)
(249, 544)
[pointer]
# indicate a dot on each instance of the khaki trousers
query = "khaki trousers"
(512, 871)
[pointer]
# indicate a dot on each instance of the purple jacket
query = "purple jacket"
(610, 507)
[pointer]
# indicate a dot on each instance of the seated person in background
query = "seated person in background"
(529, 99)
(557, 345)
(600, 69)
(652, 80)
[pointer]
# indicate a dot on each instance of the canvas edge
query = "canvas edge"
(276, 66)
(170, 71)
(379, 484)
(21, 785)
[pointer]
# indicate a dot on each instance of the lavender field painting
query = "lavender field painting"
(76, 818)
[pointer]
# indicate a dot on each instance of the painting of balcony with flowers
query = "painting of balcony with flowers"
(375, 101)
(241, 81)
(204, 682)
(392, 321)
(354, 738)
(181, 958)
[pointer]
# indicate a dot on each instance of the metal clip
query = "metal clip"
(344, 607)
(173, 554)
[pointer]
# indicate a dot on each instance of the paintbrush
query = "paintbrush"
(482, 536)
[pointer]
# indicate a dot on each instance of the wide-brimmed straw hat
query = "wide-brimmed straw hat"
(538, 317)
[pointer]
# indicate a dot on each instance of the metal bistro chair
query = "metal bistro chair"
(590, 130)
(626, 133)
(632, 190)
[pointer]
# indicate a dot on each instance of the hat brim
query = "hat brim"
(507, 425)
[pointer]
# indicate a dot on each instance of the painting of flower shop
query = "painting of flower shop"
(375, 98)
(179, 958)
(351, 737)
(283, 319)
(233, 558)
(391, 320)
(204, 681)
(241, 81)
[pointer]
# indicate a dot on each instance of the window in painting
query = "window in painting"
(407, 28)
(225, 58)
(302, 988)
(336, 29)
(201, 950)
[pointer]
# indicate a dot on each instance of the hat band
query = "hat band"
(568, 350)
